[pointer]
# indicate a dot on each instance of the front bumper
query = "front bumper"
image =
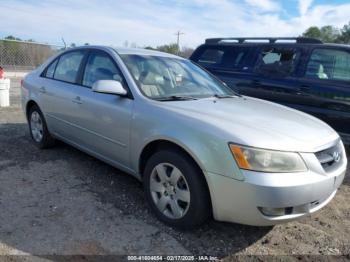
(302, 193)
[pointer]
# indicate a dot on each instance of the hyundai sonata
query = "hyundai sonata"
(200, 149)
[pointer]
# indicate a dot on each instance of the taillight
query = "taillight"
(1, 73)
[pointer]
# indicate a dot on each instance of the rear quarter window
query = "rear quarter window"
(222, 57)
(50, 71)
(211, 57)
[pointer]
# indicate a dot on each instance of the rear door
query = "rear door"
(45, 95)
(59, 89)
(326, 83)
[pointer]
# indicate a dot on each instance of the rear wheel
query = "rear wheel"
(38, 129)
(175, 189)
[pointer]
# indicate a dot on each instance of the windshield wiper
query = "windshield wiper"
(176, 98)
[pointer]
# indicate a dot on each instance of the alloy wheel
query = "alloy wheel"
(170, 191)
(36, 125)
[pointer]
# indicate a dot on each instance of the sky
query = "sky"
(155, 22)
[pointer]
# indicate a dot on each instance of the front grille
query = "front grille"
(330, 158)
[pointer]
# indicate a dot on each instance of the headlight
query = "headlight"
(267, 160)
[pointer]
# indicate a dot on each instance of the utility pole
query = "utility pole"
(178, 33)
(64, 42)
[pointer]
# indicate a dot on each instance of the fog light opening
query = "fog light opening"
(280, 211)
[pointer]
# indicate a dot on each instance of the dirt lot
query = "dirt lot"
(61, 202)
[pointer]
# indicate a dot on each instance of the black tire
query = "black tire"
(199, 209)
(47, 140)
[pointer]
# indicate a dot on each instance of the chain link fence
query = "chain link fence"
(24, 56)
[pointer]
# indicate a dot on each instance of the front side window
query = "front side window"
(277, 61)
(68, 66)
(329, 64)
(161, 77)
(100, 67)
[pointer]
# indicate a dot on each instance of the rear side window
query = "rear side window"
(222, 57)
(277, 61)
(100, 67)
(68, 66)
(329, 64)
(51, 69)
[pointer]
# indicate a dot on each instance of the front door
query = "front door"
(103, 119)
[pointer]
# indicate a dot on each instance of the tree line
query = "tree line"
(329, 33)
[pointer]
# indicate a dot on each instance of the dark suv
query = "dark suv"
(303, 73)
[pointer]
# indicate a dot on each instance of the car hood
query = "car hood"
(259, 123)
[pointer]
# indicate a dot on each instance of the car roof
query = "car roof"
(336, 45)
(141, 51)
(277, 45)
(128, 51)
(271, 41)
(272, 44)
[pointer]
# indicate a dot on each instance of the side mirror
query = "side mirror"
(109, 87)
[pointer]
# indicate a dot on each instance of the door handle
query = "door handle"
(77, 100)
(305, 87)
(42, 90)
(303, 90)
(256, 82)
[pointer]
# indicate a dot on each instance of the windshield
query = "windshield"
(163, 77)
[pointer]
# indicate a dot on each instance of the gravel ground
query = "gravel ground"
(63, 202)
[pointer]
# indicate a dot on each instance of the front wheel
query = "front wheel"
(38, 129)
(175, 189)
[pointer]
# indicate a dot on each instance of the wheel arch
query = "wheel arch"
(153, 146)
(29, 105)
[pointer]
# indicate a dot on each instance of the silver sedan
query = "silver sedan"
(200, 149)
